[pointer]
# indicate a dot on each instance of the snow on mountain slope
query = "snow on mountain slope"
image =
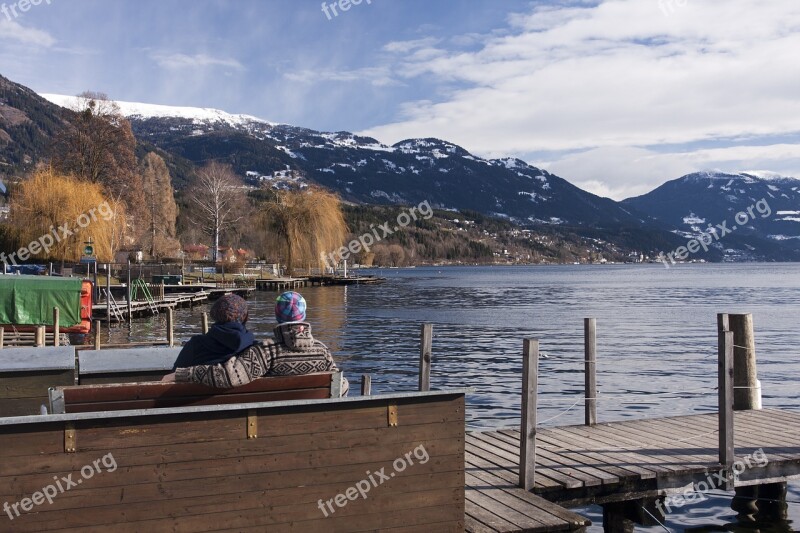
(146, 111)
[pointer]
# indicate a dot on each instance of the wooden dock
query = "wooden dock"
(144, 308)
(637, 459)
(494, 502)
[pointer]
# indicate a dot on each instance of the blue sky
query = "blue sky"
(617, 95)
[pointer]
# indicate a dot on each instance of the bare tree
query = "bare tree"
(218, 200)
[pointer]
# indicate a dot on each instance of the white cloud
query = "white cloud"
(198, 61)
(11, 30)
(622, 172)
(611, 78)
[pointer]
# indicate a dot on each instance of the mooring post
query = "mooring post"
(56, 326)
(128, 293)
(96, 334)
(747, 388)
(527, 435)
(204, 322)
(39, 337)
(170, 330)
(726, 392)
(590, 370)
(108, 294)
(426, 344)
(366, 385)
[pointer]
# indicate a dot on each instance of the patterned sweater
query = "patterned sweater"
(293, 351)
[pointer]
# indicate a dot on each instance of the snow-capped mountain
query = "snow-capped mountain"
(753, 206)
(363, 169)
(141, 111)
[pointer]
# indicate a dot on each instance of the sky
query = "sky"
(617, 96)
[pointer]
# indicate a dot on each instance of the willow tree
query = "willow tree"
(309, 222)
(60, 213)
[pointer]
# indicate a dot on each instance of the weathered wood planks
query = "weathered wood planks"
(593, 463)
(198, 471)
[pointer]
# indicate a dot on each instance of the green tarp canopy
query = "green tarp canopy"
(29, 300)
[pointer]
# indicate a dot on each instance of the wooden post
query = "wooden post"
(2, 337)
(56, 326)
(40, 337)
(204, 323)
(128, 293)
(96, 334)
(426, 343)
(108, 294)
(726, 393)
(366, 385)
(747, 389)
(590, 370)
(170, 330)
(527, 436)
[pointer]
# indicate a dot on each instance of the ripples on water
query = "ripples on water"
(656, 333)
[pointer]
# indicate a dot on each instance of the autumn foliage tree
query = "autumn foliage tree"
(160, 212)
(309, 223)
(69, 210)
(99, 147)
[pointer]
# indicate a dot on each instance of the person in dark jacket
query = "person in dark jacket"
(227, 337)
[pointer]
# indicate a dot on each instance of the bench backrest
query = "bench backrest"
(129, 365)
(27, 373)
(128, 396)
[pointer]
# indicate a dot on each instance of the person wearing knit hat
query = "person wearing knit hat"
(227, 337)
(290, 307)
(291, 351)
(229, 308)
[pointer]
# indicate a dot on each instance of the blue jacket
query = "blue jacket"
(222, 342)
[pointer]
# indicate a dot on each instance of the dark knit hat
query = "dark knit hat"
(290, 307)
(229, 308)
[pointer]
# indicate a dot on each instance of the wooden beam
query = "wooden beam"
(170, 328)
(56, 326)
(425, 355)
(726, 447)
(366, 385)
(746, 394)
(530, 379)
(590, 370)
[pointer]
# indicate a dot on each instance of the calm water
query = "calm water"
(656, 341)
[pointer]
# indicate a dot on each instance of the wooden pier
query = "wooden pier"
(642, 458)
(140, 308)
(278, 284)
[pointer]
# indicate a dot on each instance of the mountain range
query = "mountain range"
(365, 171)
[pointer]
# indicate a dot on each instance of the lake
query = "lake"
(656, 333)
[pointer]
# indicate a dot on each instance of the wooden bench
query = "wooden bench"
(27, 373)
(125, 365)
(130, 396)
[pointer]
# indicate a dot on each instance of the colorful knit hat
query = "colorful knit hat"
(290, 307)
(229, 308)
